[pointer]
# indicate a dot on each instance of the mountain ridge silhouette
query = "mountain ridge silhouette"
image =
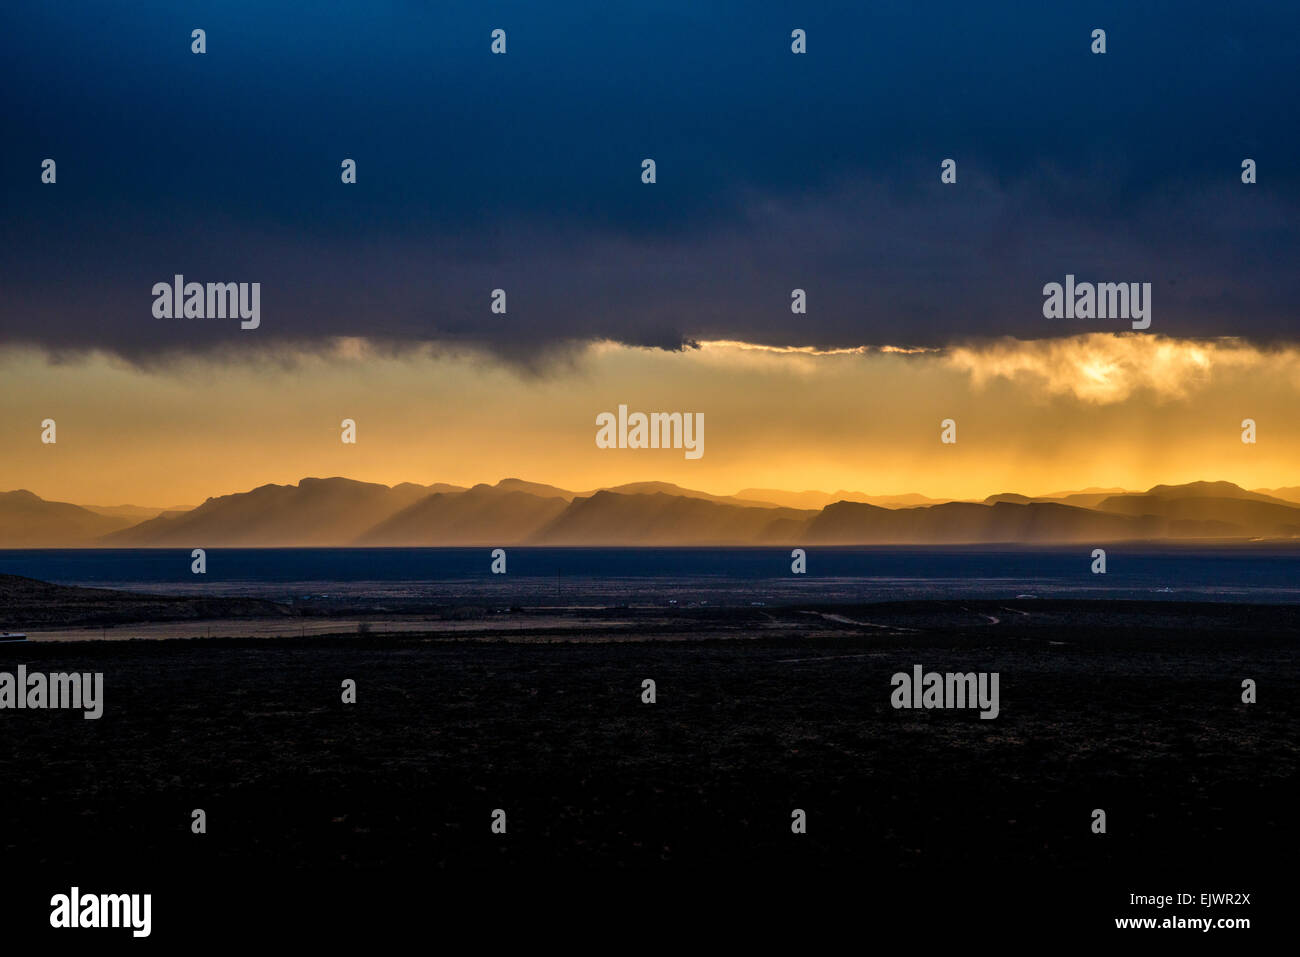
(338, 512)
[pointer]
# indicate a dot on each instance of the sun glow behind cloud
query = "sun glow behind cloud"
(1033, 416)
(1103, 369)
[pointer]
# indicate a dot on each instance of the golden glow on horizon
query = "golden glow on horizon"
(733, 344)
(1033, 417)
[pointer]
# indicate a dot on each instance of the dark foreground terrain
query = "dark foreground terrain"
(26, 603)
(375, 817)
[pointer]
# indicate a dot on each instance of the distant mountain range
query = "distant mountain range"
(339, 511)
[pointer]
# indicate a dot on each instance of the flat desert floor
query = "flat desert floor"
(1134, 708)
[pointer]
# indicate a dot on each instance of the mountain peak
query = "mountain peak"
(22, 495)
(1201, 487)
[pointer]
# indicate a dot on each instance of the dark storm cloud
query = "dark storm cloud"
(523, 172)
